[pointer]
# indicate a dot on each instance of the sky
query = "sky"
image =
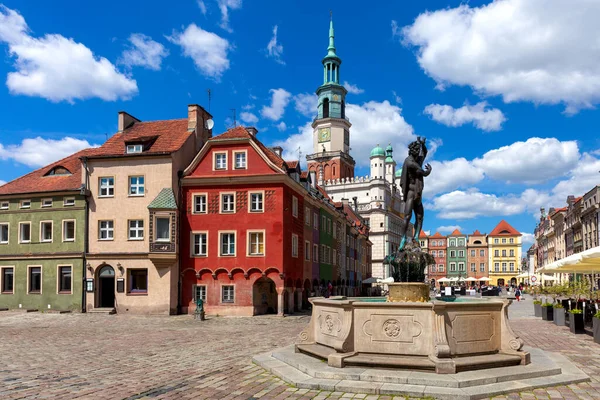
(506, 92)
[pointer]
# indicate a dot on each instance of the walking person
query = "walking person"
(518, 294)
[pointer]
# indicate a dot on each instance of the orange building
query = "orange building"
(437, 248)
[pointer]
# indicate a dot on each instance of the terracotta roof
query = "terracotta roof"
(38, 182)
(476, 233)
(292, 164)
(437, 235)
(422, 234)
(456, 232)
(304, 175)
(165, 137)
(577, 199)
(504, 229)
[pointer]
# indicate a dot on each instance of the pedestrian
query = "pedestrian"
(518, 294)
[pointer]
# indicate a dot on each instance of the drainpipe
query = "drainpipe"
(85, 234)
(180, 219)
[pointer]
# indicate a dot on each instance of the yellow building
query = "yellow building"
(504, 252)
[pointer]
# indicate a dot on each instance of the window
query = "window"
(441, 253)
(25, 204)
(473, 267)
(461, 266)
(199, 203)
(316, 221)
(200, 244)
(511, 240)
(440, 267)
(482, 267)
(461, 253)
(46, 203)
(294, 245)
(295, 206)
(163, 232)
(199, 293)
(472, 253)
(240, 159)
(4, 205)
(481, 253)
(497, 253)
(69, 201)
(134, 148)
(453, 267)
(4, 233)
(461, 242)
(256, 202)
(136, 186)
(315, 252)
(434, 253)
(306, 250)
(228, 244)
(220, 160)
(307, 216)
(136, 229)
(496, 241)
(496, 267)
(46, 231)
(452, 253)
(452, 243)
(8, 280)
(227, 293)
(227, 203)
(512, 253)
(512, 267)
(256, 243)
(503, 253)
(432, 268)
(503, 240)
(68, 229)
(106, 230)
(35, 279)
(64, 279)
(24, 232)
(107, 187)
(138, 280)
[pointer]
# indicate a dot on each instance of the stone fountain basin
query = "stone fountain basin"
(445, 337)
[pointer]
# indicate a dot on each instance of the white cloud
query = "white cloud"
(274, 49)
(56, 68)
(534, 50)
(527, 238)
(533, 161)
(144, 52)
(34, 152)
(207, 49)
(248, 107)
(281, 126)
(451, 175)
(472, 203)
(353, 89)
(484, 118)
(306, 104)
(395, 29)
(397, 99)
(2, 182)
(448, 228)
(279, 101)
(248, 118)
(582, 178)
(201, 6)
(224, 7)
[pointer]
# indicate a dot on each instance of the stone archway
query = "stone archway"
(501, 282)
(106, 287)
(264, 296)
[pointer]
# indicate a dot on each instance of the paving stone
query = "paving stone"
(358, 386)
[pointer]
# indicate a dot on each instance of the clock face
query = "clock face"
(324, 135)
(336, 97)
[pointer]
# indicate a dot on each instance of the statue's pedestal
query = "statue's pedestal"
(408, 292)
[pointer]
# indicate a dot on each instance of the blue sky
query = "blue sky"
(505, 91)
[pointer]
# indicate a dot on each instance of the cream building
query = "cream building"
(133, 194)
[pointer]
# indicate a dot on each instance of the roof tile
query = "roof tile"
(504, 229)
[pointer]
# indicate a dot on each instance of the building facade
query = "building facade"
(504, 250)
(456, 261)
(477, 255)
(437, 248)
(589, 218)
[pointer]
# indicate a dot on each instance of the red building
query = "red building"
(437, 248)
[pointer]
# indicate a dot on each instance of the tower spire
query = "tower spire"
(331, 48)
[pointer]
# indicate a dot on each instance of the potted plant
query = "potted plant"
(547, 312)
(537, 308)
(576, 321)
(559, 314)
(596, 327)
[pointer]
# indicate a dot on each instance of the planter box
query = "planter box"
(537, 309)
(576, 323)
(559, 316)
(596, 329)
(548, 313)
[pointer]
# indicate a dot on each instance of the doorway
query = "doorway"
(106, 287)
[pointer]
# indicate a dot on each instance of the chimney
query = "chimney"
(253, 131)
(355, 200)
(313, 179)
(126, 120)
(197, 120)
(551, 210)
(570, 200)
(277, 149)
(345, 202)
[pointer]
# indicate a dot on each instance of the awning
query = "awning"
(586, 261)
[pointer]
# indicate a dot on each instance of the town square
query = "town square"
(213, 201)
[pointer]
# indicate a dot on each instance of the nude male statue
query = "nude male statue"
(411, 183)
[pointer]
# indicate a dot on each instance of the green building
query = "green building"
(457, 255)
(42, 238)
(327, 245)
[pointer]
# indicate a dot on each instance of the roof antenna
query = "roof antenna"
(209, 97)
(234, 120)
(299, 154)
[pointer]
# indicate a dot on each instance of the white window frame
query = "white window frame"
(214, 164)
(461, 266)
(195, 291)
(108, 187)
(156, 218)
(64, 231)
(25, 204)
(481, 267)
(234, 155)
(249, 245)
(482, 253)
(294, 245)
(221, 233)
(307, 247)
(42, 240)
(135, 148)
(452, 267)
(222, 203)
(496, 241)
(441, 268)
(511, 240)
(503, 240)
(199, 195)
(108, 230)
(20, 235)
(473, 267)
(232, 301)
(4, 205)
(251, 203)
(7, 239)
(294, 206)
(136, 228)
(497, 267)
(473, 252)
(193, 244)
(137, 186)
(43, 205)
(68, 201)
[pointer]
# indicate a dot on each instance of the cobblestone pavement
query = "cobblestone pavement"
(135, 357)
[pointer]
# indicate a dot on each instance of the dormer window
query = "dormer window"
(58, 170)
(135, 148)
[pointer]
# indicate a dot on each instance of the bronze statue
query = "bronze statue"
(411, 183)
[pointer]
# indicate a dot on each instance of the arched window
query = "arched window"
(326, 108)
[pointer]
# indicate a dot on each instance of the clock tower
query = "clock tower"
(331, 128)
